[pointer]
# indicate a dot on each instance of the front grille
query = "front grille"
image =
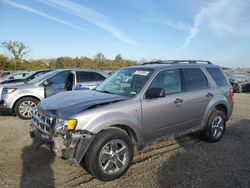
(43, 122)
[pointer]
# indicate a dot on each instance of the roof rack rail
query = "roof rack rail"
(177, 61)
(191, 61)
(154, 62)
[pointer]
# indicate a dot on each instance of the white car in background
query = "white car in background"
(14, 75)
(21, 98)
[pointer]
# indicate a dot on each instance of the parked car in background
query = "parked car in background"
(4, 73)
(240, 82)
(21, 98)
(14, 75)
(31, 75)
(134, 107)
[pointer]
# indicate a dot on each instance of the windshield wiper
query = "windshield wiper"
(105, 91)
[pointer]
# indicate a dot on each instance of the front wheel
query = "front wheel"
(24, 106)
(215, 126)
(109, 155)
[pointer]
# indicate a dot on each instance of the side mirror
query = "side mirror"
(80, 87)
(155, 93)
(45, 83)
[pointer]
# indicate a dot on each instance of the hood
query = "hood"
(12, 81)
(17, 85)
(69, 103)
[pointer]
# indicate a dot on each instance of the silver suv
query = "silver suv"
(21, 98)
(134, 107)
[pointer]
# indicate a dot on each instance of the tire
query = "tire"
(102, 159)
(24, 106)
(215, 126)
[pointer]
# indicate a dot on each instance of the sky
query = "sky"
(142, 30)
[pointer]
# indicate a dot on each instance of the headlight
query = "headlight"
(62, 125)
(8, 90)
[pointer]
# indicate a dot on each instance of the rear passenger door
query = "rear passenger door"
(88, 79)
(196, 96)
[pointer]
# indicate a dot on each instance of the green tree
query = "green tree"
(59, 63)
(17, 49)
(99, 57)
(5, 63)
(34, 65)
(118, 58)
(99, 61)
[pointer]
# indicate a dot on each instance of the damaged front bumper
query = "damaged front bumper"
(72, 148)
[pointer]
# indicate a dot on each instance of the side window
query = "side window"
(60, 78)
(169, 80)
(83, 76)
(218, 76)
(194, 79)
(99, 77)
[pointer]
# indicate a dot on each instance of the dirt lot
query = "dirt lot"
(183, 162)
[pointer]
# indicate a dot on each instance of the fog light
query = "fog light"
(71, 124)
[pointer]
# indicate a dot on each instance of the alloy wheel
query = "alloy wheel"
(25, 108)
(114, 157)
(217, 127)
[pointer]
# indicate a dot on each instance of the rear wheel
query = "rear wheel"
(109, 155)
(215, 126)
(24, 106)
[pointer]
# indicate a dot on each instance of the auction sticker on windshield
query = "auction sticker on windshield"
(142, 73)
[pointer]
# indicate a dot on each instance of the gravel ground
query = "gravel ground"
(183, 162)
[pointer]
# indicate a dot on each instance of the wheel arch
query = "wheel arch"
(31, 96)
(222, 108)
(129, 131)
(221, 105)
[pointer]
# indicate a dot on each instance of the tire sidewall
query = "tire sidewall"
(19, 102)
(93, 157)
(208, 130)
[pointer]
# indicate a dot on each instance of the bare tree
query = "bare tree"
(17, 49)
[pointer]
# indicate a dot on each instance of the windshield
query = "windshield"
(15, 75)
(9, 75)
(4, 74)
(125, 82)
(42, 77)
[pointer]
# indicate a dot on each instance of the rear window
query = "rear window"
(218, 76)
(83, 76)
(194, 79)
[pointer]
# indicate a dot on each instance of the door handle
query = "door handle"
(209, 94)
(178, 100)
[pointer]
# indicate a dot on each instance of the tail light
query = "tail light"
(231, 95)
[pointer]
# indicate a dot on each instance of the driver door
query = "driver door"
(57, 83)
(163, 116)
